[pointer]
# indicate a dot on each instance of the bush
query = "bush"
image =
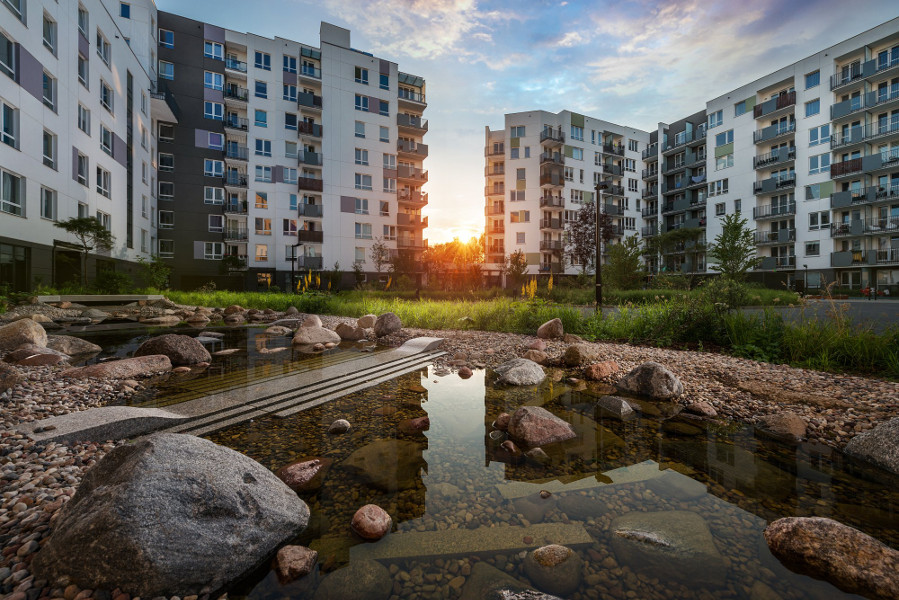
(670, 281)
(110, 282)
(724, 293)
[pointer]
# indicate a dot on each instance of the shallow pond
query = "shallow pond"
(456, 497)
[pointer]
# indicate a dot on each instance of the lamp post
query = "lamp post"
(600, 186)
(805, 279)
(293, 262)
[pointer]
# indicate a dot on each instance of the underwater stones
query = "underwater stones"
(366, 322)
(680, 428)
(415, 426)
(675, 544)
(235, 319)
(293, 562)
(23, 331)
(701, 408)
(536, 426)
(826, 549)
(339, 426)
(349, 333)
(554, 569)
(359, 580)
(163, 320)
(305, 475)
(581, 507)
(520, 371)
(677, 486)
(125, 368)
(577, 354)
(488, 582)
(386, 324)
(169, 514)
(389, 465)
(617, 407)
(552, 329)
(601, 370)
(311, 335)
(879, 445)
(784, 425)
(71, 345)
(276, 330)
(181, 349)
(371, 522)
(94, 314)
(653, 380)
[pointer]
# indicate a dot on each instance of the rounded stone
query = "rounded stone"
(554, 569)
(371, 522)
(181, 349)
(340, 426)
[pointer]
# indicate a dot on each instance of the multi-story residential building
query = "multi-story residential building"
(541, 169)
(271, 172)
(76, 123)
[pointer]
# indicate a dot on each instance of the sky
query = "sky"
(631, 62)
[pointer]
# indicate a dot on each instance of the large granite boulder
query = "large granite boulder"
(653, 380)
(849, 559)
(388, 465)
(578, 354)
(551, 330)
(879, 445)
(359, 580)
(125, 368)
(387, 323)
(181, 349)
(366, 321)
(169, 515)
(313, 334)
(71, 345)
(349, 333)
(536, 426)
(784, 425)
(9, 376)
(674, 544)
(520, 371)
(23, 331)
(554, 569)
(617, 407)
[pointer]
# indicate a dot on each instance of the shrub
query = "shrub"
(110, 282)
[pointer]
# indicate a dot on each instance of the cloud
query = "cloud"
(572, 38)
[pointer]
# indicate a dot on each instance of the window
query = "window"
(48, 204)
(167, 70)
(513, 153)
(716, 118)
(261, 118)
(105, 140)
(633, 185)
(261, 200)
(723, 162)
(290, 93)
(7, 56)
(568, 173)
(261, 89)
(49, 148)
(143, 171)
(819, 220)
(360, 129)
(263, 174)
(520, 237)
(103, 47)
(290, 64)
(361, 75)
(385, 209)
(521, 216)
(166, 38)
(812, 107)
(213, 168)
(384, 108)
(263, 226)
(293, 202)
(50, 34)
(213, 50)
(289, 227)
(812, 80)
(819, 135)
(359, 255)
(211, 250)
(740, 108)
(390, 185)
(384, 134)
(577, 153)
(577, 133)
(214, 81)
(738, 206)
(83, 20)
(49, 91)
(633, 145)
(12, 194)
(720, 209)
(166, 248)
(214, 110)
(289, 175)
(124, 10)
(385, 81)
(105, 220)
(216, 141)
(81, 172)
(819, 164)
(389, 232)
(263, 147)
(363, 231)
(166, 132)
(83, 71)
(363, 182)
(144, 241)
(166, 190)
(104, 182)
(630, 165)
(166, 219)
(105, 96)
(9, 125)
(812, 248)
(213, 195)
(520, 174)
(389, 161)
(263, 61)
(361, 156)
(362, 103)
(166, 162)
(724, 138)
(290, 149)
(716, 188)
(516, 131)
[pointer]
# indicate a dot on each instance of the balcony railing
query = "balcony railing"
(650, 192)
(235, 262)
(864, 102)
(308, 262)
(775, 157)
(888, 256)
(407, 147)
(552, 202)
(771, 211)
(240, 123)
(235, 92)
(236, 234)
(236, 180)
(552, 180)
(496, 209)
(846, 167)
(500, 151)
(774, 263)
(864, 133)
(310, 129)
(868, 195)
(235, 65)
(617, 149)
(782, 236)
(495, 256)
(869, 226)
(309, 100)
(411, 122)
(406, 220)
(551, 224)
(613, 190)
(407, 243)
(551, 245)
(552, 157)
(310, 237)
(551, 268)
(773, 132)
(410, 173)
(310, 183)
(774, 184)
(236, 152)
(313, 211)
(612, 209)
(315, 159)
(406, 94)
(234, 208)
(650, 211)
(650, 173)
(859, 71)
(496, 229)
(552, 136)
(418, 198)
(611, 169)
(494, 171)
(649, 230)
(774, 104)
(309, 71)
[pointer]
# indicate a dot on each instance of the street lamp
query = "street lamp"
(293, 262)
(600, 186)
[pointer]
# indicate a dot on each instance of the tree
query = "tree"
(379, 254)
(624, 270)
(155, 272)
(581, 243)
(734, 248)
(515, 266)
(685, 240)
(91, 234)
(403, 263)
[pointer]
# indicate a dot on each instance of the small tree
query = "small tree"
(91, 234)
(379, 254)
(580, 245)
(515, 266)
(155, 272)
(358, 274)
(624, 270)
(734, 248)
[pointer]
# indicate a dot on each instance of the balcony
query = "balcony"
(414, 244)
(310, 211)
(309, 100)
(496, 170)
(846, 168)
(551, 202)
(498, 208)
(650, 173)
(162, 103)
(870, 226)
(236, 180)
(238, 123)
(556, 158)
(313, 263)
(551, 245)
(773, 132)
(650, 211)
(866, 70)
(651, 152)
(234, 208)
(650, 192)
(552, 137)
(777, 263)
(881, 99)
(236, 152)
(500, 151)
(413, 124)
(773, 158)
(772, 107)
(870, 195)
(612, 209)
(551, 224)
(309, 129)
(613, 190)
(864, 134)
(413, 98)
(551, 268)
(611, 169)
(234, 94)
(411, 221)
(783, 236)
(239, 234)
(616, 149)
(649, 231)
(683, 138)
(310, 237)
(553, 180)
(774, 211)
(416, 198)
(411, 175)
(315, 159)
(236, 67)
(775, 184)
(497, 228)
(310, 72)
(669, 169)
(887, 256)
(310, 183)
(413, 150)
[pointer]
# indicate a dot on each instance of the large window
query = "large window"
(211, 250)
(214, 110)
(361, 156)
(263, 226)
(812, 79)
(166, 70)
(361, 75)
(516, 131)
(49, 91)
(83, 71)
(290, 64)
(166, 38)
(213, 195)
(104, 182)
(213, 168)
(261, 118)
(819, 164)
(50, 34)
(12, 194)
(363, 182)
(7, 56)
(716, 118)
(81, 173)
(263, 61)
(361, 206)
(812, 107)
(363, 231)
(104, 50)
(819, 135)
(263, 147)
(360, 129)
(105, 140)
(48, 204)
(724, 138)
(214, 81)
(261, 89)
(577, 133)
(9, 125)
(263, 174)
(213, 50)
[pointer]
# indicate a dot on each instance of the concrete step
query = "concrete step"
(646, 470)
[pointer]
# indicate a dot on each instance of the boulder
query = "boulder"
(24, 331)
(371, 522)
(125, 368)
(366, 322)
(181, 349)
(520, 371)
(502, 421)
(165, 320)
(9, 377)
(387, 323)
(554, 569)
(389, 465)
(278, 330)
(235, 319)
(578, 354)
(653, 380)
(671, 544)
(537, 356)
(415, 426)
(40, 360)
(293, 562)
(95, 314)
(825, 549)
(169, 514)
(28, 350)
(359, 580)
(349, 333)
(233, 310)
(291, 311)
(197, 319)
(536, 426)
(537, 344)
(40, 318)
(784, 425)
(601, 370)
(305, 475)
(617, 407)
(340, 426)
(551, 330)
(312, 335)
(465, 373)
(879, 445)
(311, 321)
(701, 408)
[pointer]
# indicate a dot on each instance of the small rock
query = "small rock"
(386, 324)
(502, 421)
(371, 522)
(578, 354)
(551, 330)
(465, 373)
(339, 426)
(653, 380)
(366, 322)
(702, 408)
(601, 370)
(535, 355)
(554, 569)
(784, 425)
(293, 562)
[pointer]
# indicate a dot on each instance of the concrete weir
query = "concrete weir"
(280, 396)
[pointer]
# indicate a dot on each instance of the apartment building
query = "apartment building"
(286, 158)
(76, 123)
(540, 169)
